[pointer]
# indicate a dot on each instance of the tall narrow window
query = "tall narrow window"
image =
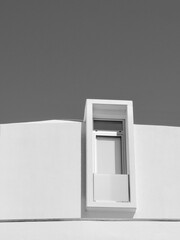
(109, 156)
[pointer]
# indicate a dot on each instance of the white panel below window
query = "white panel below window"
(111, 187)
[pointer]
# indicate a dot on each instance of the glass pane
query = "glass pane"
(108, 125)
(108, 155)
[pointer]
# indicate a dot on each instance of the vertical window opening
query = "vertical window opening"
(110, 147)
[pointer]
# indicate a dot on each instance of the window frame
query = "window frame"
(111, 110)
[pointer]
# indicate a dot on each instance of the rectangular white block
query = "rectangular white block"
(111, 187)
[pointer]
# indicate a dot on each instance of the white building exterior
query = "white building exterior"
(42, 184)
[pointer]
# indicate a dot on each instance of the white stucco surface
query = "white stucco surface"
(90, 230)
(157, 161)
(40, 170)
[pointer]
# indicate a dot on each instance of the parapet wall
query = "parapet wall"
(40, 171)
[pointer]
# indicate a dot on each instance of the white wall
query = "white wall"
(90, 230)
(40, 170)
(157, 156)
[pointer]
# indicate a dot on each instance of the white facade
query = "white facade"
(42, 177)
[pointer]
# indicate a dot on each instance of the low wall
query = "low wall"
(90, 230)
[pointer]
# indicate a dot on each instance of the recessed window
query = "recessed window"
(109, 156)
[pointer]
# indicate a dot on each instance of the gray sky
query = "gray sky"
(55, 54)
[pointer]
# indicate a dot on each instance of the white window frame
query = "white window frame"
(112, 110)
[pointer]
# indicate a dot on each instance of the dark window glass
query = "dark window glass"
(108, 125)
